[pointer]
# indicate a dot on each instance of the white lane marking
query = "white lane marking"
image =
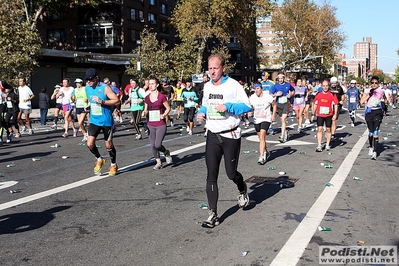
(7, 184)
(296, 244)
(255, 138)
(53, 191)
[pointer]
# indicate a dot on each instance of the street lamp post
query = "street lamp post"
(138, 42)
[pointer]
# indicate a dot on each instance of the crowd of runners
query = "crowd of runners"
(220, 101)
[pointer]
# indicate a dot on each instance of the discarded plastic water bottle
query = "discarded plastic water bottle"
(389, 134)
(302, 152)
(192, 142)
(329, 184)
(15, 191)
(81, 144)
(11, 165)
(36, 159)
(357, 178)
(98, 146)
(271, 168)
(327, 165)
(245, 152)
(322, 228)
(203, 206)
(159, 183)
(2, 175)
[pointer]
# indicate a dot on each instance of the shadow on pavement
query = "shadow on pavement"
(26, 221)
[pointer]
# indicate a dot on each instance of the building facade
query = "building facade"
(366, 49)
(104, 37)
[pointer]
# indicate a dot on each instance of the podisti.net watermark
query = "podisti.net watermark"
(358, 255)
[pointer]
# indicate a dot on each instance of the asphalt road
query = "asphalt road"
(66, 216)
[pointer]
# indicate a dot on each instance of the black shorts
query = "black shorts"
(179, 103)
(80, 111)
(263, 125)
(94, 130)
(58, 106)
(327, 120)
(282, 108)
(375, 115)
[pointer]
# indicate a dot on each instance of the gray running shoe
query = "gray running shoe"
(328, 147)
(212, 221)
(370, 151)
(261, 160)
(374, 156)
(242, 198)
(168, 158)
(319, 148)
(158, 166)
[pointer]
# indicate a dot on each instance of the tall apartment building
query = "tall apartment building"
(366, 49)
(269, 50)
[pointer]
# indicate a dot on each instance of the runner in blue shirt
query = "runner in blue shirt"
(353, 96)
(101, 99)
(267, 85)
(283, 91)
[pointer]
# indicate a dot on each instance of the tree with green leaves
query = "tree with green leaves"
(152, 56)
(309, 34)
(204, 20)
(19, 43)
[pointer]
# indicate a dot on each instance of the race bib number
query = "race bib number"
(154, 115)
(96, 109)
(9, 104)
(214, 114)
(260, 113)
(80, 103)
(133, 102)
(374, 102)
(299, 100)
(282, 99)
(352, 99)
(324, 110)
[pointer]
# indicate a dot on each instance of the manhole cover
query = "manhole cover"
(271, 180)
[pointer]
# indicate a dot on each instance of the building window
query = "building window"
(141, 16)
(136, 15)
(152, 2)
(165, 27)
(56, 36)
(163, 9)
(133, 35)
(104, 35)
(132, 14)
(152, 18)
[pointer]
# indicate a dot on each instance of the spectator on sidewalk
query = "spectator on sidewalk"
(44, 105)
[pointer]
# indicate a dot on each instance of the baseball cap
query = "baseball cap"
(78, 80)
(257, 85)
(333, 80)
(90, 73)
(265, 74)
(165, 80)
(57, 86)
(353, 81)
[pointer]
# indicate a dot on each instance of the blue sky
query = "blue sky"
(366, 18)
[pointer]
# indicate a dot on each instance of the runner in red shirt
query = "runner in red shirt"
(325, 106)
